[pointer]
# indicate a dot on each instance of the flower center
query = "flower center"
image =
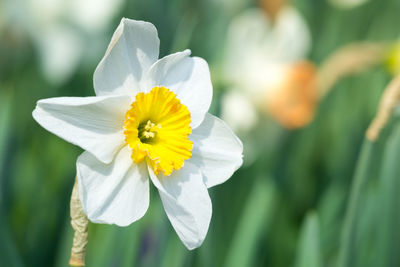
(157, 128)
(147, 131)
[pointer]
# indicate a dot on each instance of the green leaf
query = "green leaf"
(9, 255)
(308, 247)
(5, 110)
(348, 248)
(388, 238)
(253, 223)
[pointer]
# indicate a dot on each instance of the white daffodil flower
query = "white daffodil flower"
(60, 25)
(260, 53)
(148, 120)
(239, 111)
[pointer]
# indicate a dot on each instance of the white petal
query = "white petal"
(238, 111)
(188, 77)
(291, 35)
(93, 123)
(115, 193)
(216, 150)
(255, 46)
(133, 48)
(187, 203)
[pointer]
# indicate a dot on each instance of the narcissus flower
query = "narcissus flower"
(293, 100)
(60, 25)
(265, 64)
(148, 120)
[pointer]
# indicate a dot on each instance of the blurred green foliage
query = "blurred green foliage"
(321, 196)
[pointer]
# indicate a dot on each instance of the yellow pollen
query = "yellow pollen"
(149, 135)
(157, 128)
(147, 131)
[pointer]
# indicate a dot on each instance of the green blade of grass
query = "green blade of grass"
(9, 255)
(308, 249)
(174, 254)
(253, 223)
(348, 248)
(5, 110)
(388, 238)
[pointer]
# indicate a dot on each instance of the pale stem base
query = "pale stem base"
(80, 224)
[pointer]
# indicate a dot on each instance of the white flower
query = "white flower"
(59, 30)
(238, 111)
(148, 119)
(260, 56)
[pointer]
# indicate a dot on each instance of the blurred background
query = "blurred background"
(299, 81)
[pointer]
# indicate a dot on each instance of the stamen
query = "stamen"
(149, 134)
(149, 125)
(147, 131)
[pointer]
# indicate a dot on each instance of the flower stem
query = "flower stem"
(80, 224)
(348, 60)
(389, 100)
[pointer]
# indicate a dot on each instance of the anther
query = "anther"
(149, 134)
(149, 125)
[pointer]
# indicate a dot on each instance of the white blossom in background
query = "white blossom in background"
(347, 4)
(60, 29)
(148, 121)
(259, 57)
(93, 15)
(58, 66)
(239, 111)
